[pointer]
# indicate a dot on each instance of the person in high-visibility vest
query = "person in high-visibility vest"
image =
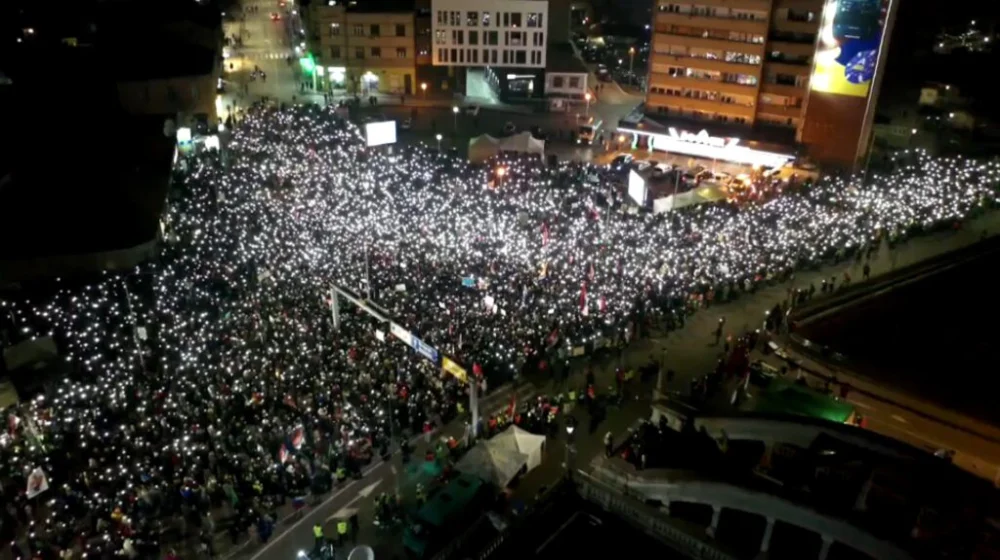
(341, 474)
(318, 533)
(341, 531)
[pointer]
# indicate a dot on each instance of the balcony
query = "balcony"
(695, 104)
(710, 22)
(658, 79)
(782, 89)
(700, 63)
(780, 23)
(754, 5)
(792, 48)
(791, 69)
(666, 37)
(780, 111)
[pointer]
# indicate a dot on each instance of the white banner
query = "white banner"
(401, 333)
(38, 482)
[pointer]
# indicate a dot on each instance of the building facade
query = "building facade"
(364, 49)
(751, 66)
(489, 33)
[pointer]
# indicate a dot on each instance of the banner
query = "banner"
(449, 366)
(38, 482)
(425, 350)
(849, 41)
(401, 333)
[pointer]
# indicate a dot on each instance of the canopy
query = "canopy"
(524, 143)
(500, 459)
(483, 147)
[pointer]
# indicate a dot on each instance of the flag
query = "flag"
(603, 304)
(283, 454)
(545, 234)
(477, 370)
(591, 273)
(583, 298)
(298, 436)
(38, 482)
(513, 405)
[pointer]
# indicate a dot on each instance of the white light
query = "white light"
(183, 135)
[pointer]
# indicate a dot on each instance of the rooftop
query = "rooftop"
(561, 58)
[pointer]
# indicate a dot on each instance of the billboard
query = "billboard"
(380, 133)
(850, 36)
(636, 187)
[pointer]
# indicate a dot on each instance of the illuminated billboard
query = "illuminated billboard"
(849, 40)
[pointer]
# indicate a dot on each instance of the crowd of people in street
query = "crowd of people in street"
(211, 383)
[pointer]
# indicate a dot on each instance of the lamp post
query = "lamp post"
(439, 141)
(570, 428)
(587, 97)
(454, 110)
(501, 171)
(631, 61)
(423, 88)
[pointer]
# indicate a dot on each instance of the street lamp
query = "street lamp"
(501, 171)
(454, 110)
(570, 428)
(439, 137)
(587, 96)
(631, 60)
(423, 88)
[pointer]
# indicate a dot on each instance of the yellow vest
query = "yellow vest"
(461, 409)
(572, 396)
(342, 527)
(317, 531)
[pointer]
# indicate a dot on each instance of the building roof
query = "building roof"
(368, 6)
(560, 58)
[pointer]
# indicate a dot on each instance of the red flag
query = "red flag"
(477, 370)
(591, 273)
(545, 234)
(513, 405)
(283, 453)
(297, 437)
(604, 305)
(583, 297)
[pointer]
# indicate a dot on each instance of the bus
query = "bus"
(448, 511)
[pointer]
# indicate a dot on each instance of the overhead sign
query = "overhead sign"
(702, 138)
(401, 333)
(425, 350)
(850, 39)
(449, 366)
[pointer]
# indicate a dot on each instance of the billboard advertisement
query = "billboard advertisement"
(380, 133)
(636, 187)
(849, 39)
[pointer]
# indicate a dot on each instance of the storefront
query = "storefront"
(703, 145)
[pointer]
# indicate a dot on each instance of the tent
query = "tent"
(524, 143)
(500, 459)
(483, 147)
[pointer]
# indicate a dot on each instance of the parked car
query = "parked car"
(472, 110)
(621, 161)
(642, 164)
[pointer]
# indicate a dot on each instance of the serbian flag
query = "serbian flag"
(603, 304)
(583, 298)
(283, 454)
(545, 234)
(298, 436)
(590, 274)
(477, 370)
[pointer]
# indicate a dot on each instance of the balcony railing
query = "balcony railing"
(791, 37)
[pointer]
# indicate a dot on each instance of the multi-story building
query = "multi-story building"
(747, 69)
(507, 38)
(364, 47)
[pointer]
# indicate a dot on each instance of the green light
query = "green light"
(308, 63)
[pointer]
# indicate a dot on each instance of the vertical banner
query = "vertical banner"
(850, 37)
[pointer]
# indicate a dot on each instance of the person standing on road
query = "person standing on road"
(318, 534)
(608, 444)
(341, 531)
(718, 330)
(866, 271)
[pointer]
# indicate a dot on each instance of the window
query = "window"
(457, 37)
(440, 37)
(400, 30)
(334, 52)
(334, 29)
(515, 19)
(506, 57)
(538, 39)
(454, 55)
(461, 56)
(493, 57)
(520, 57)
(536, 57)
(506, 19)
(359, 53)
(442, 17)
(455, 18)
(557, 81)
(535, 20)
(374, 30)
(492, 38)
(574, 83)
(400, 52)
(442, 55)
(471, 19)
(473, 37)
(473, 56)
(376, 52)
(359, 29)
(486, 56)
(486, 19)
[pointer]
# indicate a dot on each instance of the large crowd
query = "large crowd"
(213, 379)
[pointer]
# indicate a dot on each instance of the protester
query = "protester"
(213, 382)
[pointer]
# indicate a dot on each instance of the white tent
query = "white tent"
(523, 143)
(483, 147)
(500, 459)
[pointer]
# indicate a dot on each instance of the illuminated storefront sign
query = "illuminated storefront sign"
(850, 38)
(703, 145)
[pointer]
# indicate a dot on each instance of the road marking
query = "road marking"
(900, 419)
(552, 537)
(861, 405)
(362, 494)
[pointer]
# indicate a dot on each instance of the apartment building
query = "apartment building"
(364, 48)
(505, 33)
(747, 67)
